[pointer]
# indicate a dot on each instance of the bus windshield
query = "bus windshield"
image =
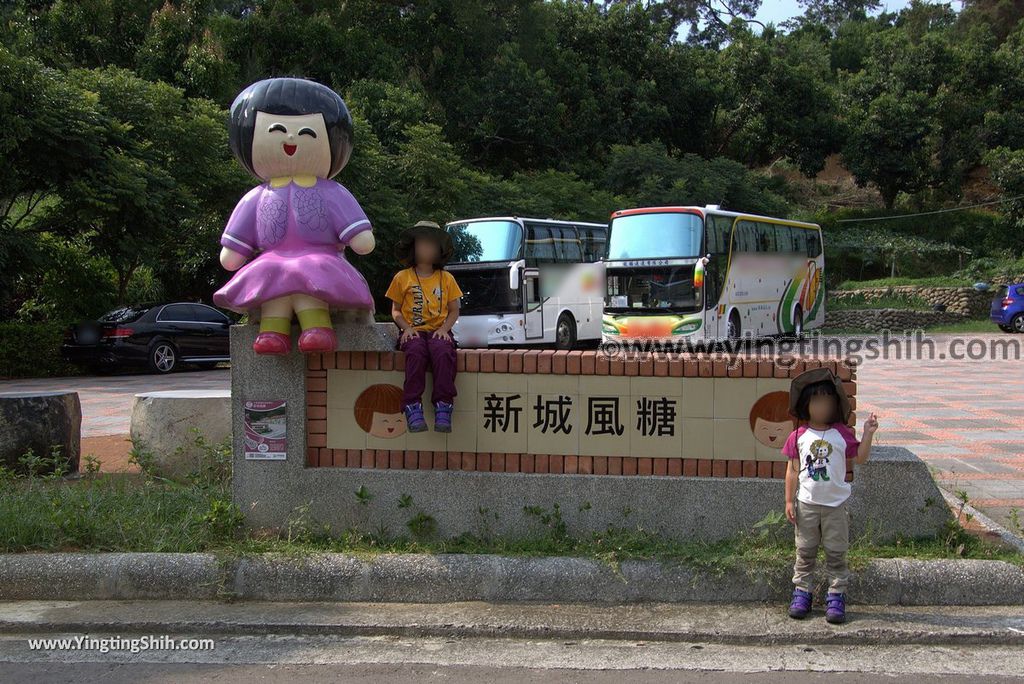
(653, 236)
(486, 241)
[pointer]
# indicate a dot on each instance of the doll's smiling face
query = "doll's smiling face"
(772, 434)
(387, 425)
(290, 146)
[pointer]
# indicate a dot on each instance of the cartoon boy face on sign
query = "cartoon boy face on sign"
(770, 420)
(378, 411)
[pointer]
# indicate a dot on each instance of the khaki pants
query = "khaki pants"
(827, 526)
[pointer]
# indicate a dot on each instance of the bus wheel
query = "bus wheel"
(565, 332)
(733, 329)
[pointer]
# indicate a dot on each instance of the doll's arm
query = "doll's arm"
(354, 229)
(231, 260)
(238, 242)
(363, 243)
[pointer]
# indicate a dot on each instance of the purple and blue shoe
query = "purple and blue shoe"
(443, 416)
(800, 607)
(414, 417)
(835, 608)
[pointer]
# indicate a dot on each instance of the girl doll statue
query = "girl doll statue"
(295, 135)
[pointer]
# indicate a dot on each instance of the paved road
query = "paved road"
(318, 658)
(474, 642)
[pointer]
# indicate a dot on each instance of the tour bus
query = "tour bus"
(528, 281)
(698, 274)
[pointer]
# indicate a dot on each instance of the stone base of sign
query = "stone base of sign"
(894, 494)
(166, 425)
(43, 423)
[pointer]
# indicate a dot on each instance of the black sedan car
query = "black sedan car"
(160, 336)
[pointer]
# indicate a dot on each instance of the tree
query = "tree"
(834, 13)
(780, 103)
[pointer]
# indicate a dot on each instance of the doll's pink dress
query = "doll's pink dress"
(295, 233)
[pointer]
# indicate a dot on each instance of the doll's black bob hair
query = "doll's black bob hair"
(290, 97)
(823, 388)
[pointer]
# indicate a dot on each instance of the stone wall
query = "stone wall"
(896, 320)
(965, 301)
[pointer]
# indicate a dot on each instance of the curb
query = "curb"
(446, 578)
(1007, 537)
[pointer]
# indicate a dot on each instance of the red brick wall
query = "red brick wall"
(552, 362)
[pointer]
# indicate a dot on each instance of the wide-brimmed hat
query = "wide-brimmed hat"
(429, 230)
(813, 376)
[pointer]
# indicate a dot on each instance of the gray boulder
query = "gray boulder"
(44, 423)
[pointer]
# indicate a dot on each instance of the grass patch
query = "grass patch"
(859, 301)
(933, 281)
(961, 327)
(114, 512)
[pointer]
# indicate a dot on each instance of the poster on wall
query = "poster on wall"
(266, 428)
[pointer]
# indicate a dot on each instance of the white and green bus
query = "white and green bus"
(700, 274)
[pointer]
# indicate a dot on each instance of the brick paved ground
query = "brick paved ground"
(964, 418)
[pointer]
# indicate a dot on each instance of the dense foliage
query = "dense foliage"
(115, 178)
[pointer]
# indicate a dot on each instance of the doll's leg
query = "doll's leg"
(315, 319)
(275, 327)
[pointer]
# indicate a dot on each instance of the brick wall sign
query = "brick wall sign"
(561, 412)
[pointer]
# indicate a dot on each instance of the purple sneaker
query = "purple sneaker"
(801, 604)
(443, 416)
(414, 417)
(835, 608)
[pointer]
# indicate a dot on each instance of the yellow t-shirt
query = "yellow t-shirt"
(423, 310)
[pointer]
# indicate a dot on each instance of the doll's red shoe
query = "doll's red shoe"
(273, 343)
(317, 340)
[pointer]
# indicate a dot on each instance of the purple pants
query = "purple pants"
(423, 351)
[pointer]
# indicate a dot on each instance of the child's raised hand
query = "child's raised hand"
(870, 425)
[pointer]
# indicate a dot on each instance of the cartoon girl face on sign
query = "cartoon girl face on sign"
(378, 411)
(770, 420)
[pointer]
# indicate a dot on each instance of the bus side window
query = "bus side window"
(719, 234)
(749, 237)
(813, 244)
(800, 240)
(784, 238)
(571, 250)
(589, 246)
(766, 238)
(540, 246)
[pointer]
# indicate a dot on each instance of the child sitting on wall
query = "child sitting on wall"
(425, 306)
(816, 486)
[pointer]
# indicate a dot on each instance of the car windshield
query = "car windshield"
(486, 241)
(125, 314)
(653, 236)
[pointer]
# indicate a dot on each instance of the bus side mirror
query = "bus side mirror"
(515, 273)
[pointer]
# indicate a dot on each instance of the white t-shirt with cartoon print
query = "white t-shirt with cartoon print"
(821, 456)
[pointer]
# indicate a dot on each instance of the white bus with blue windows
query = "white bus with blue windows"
(528, 281)
(701, 274)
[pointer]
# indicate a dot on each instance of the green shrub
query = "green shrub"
(31, 350)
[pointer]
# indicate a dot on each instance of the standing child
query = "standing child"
(816, 486)
(425, 306)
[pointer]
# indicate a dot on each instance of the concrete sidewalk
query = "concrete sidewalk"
(740, 624)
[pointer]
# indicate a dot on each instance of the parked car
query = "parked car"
(160, 336)
(1008, 308)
